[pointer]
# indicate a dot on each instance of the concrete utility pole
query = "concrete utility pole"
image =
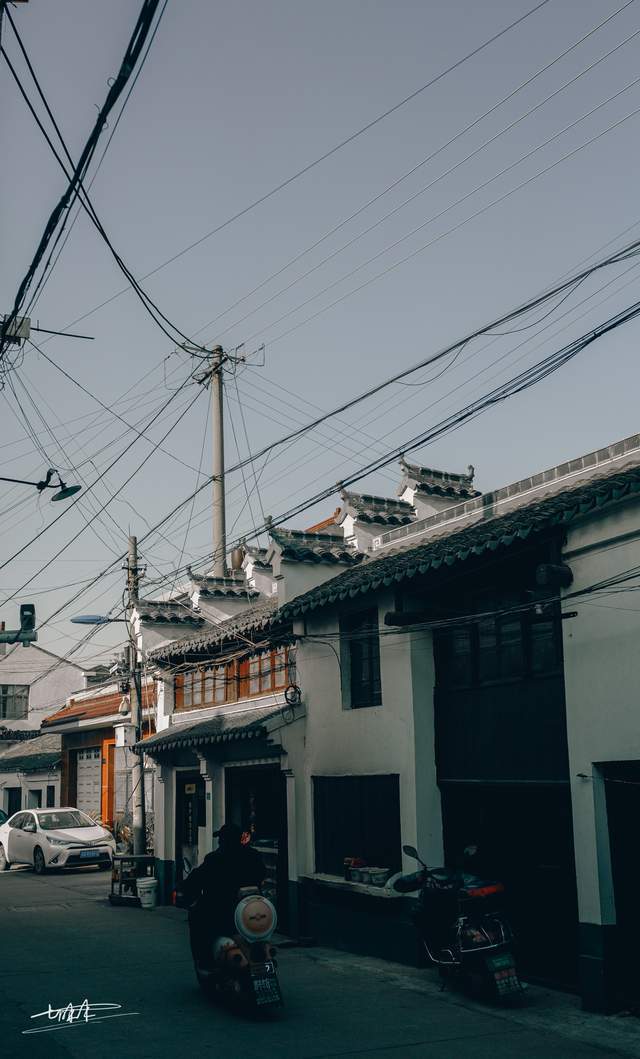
(135, 691)
(213, 374)
(217, 437)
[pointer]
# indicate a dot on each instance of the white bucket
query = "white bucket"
(147, 892)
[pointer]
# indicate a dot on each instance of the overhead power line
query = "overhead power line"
(631, 250)
(424, 161)
(517, 384)
(324, 156)
(45, 278)
(75, 187)
(91, 486)
(455, 228)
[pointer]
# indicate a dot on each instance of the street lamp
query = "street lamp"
(64, 490)
(94, 619)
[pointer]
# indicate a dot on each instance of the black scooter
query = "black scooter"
(463, 929)
(244, 975)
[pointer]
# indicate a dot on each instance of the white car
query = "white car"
(54, 838)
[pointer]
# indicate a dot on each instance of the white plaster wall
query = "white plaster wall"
(375, 740)
(602, 681)
(219, 608)
(154, 634)
(27, 665)
(165, 700)
(33, 782)
(295, 578)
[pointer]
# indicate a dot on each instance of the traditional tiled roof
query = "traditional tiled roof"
(165, 611)
(325, 523)
(35, 755)
(258, 557)
(16, 734)
(379, 510)
(243, 627)
(95, 707)
(327, 547)
(231, 586)
(430, 482)
(223, 728)
(484, 534)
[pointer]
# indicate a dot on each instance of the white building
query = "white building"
(459, 676)
(33, 682)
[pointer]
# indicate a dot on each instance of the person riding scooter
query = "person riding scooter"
(214, 887)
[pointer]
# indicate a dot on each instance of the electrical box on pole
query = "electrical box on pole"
(16, 330)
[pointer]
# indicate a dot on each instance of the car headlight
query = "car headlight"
(57, 841)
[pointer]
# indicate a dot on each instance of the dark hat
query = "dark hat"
(229, 834)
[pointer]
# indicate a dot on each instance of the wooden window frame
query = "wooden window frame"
(528, 621)
(353, 698)
(269, 671)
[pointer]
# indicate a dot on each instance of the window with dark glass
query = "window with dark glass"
(497, 648)
(233, 680)
(453, 657)
(545, 645)
(14, 701)
(488, 666)
(511, 647)
(356, 816)
(361, 645)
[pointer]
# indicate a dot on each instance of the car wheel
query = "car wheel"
(4, 863)
(39, 863)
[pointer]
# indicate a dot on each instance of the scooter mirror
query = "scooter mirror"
(411, 851)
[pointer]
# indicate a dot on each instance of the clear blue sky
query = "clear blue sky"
(232, 100)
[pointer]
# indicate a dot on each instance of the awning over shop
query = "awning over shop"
(224, 728)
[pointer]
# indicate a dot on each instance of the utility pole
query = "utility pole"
(213, 374)
(137, 796)
(3, 4)
(217, 469)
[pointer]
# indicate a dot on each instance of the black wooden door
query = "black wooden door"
(525, 837)
(256, 801)
(623, 812)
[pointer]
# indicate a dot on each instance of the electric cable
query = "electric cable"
(390, 187)
(152, 308)
(324, 156)
(450, 231)
(630, 250)
(436, 180)
(70, 506)
(106, 407)
(112, 133)
(75, 185)
(186, 534)
(523, 380)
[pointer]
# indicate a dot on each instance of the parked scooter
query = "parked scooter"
(244, 974)
(462, 927)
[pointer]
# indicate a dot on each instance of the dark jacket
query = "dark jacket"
(215, 883)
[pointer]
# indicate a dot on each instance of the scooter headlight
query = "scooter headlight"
(256, 918)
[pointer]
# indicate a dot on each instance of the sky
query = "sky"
(232, 101)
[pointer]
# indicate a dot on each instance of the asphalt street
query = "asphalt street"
(61, 942)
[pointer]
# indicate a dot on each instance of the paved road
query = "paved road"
(60, 941)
